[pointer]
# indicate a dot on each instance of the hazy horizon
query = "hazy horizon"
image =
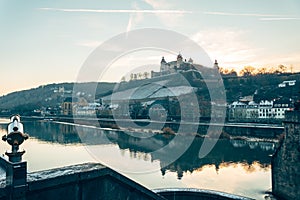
(47, 42)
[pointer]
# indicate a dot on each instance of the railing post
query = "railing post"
(16, 178)
(16, 169)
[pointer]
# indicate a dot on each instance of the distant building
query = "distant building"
(280, 106)
(246, 99)
(176, 66)
(237, 110)
(67, 105)
(265, 109)
(252, 110)
(89, 109)
(138, 101)
(70, 105)
(216, 65)
(287, 83)
(262, 110)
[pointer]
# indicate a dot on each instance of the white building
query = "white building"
(263, 110)
(280, 106)
(237, 110)
(252, 110)
(287, 83)
(89, 109)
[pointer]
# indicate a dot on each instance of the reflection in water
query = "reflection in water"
(224, 153)
(228, 156)
(265, 146)
(52, 132)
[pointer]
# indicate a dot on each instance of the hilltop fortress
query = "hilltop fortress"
(178, 65)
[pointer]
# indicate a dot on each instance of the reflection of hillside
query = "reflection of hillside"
(52, 132)
(225, 151)
(159, 147)
(140, 143)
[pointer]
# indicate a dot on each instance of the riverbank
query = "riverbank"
(147, 159)
(256, 130)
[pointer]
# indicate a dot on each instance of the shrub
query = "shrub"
(168, 130)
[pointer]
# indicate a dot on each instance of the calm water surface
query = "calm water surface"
(233, 166)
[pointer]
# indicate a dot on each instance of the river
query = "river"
(153, 160)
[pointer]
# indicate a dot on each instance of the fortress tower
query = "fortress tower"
(216, 65)
(179, 60)
(163, 65)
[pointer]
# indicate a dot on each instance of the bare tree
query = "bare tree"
(247, 71)
(131, 76)
(146, 75)
(262, 70)
(140, 75)
(223, 70)
(232, 72)
(282, 68)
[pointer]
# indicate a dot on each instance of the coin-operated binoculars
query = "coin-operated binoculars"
(15, 138)
(16, 169)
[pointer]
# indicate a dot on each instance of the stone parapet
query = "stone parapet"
(85, 182)
(286, 160)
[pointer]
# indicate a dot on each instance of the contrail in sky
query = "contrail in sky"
(243, 14)
(119, 11)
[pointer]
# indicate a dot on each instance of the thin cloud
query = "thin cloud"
(168, 19)
(279, 18)
(118, 11)
(134, 18)
(233, 50)
(229, 46)
(242, 14)
(90, 44)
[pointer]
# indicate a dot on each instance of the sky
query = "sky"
(48, 41)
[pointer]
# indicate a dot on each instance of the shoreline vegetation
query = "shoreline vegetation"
(166, 130)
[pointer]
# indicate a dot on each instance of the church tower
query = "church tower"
(179, 60)
(216, 65)
(163, 65)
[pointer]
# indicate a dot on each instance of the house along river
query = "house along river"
(233, 166)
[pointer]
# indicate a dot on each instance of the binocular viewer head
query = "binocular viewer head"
(15, 132)
(15, 124)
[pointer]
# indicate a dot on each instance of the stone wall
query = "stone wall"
(95, 181)
(286, 160)
(81, 182)
(197, 194)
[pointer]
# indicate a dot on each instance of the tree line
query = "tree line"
(250, 70)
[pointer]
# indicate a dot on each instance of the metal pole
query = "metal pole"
(16, 169)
